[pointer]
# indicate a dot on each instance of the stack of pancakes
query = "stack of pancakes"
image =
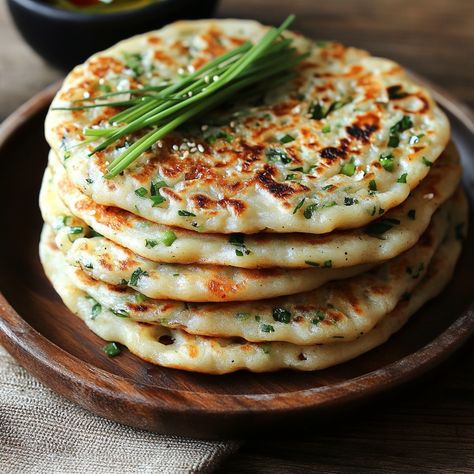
(296, 229)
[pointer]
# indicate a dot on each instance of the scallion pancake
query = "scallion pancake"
(339, 309)
(348, 135)
(177, 349)
(105, 260)
(395, 232)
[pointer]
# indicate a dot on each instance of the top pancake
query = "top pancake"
(245, 179)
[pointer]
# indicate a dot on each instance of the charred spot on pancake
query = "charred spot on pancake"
(363, 127)
(279, 190)
(145, 173)
(284, 108)
(171, 194)
(105, 263)
(162, 57)
(235, 204)
(352, 299)
(396, 92)
(332, 153)
(361, 133)
(235, 187)
(117, 288)
(127, 263)
(221, 287)
(154, 40)
(213, 40)
(250, 154)
(102, 65)
(333, 317)
(197, 170)
(202, 201)
(171, 168)
(139, 308)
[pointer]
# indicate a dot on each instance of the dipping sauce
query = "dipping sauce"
(100, 6)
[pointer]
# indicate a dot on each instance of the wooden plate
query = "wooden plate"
(58, 349)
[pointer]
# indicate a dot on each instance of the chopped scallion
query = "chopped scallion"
(112, 349)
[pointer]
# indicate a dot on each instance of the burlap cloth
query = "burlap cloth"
(40, 432)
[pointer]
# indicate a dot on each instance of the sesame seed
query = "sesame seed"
(232, 124)
(428, 196)
(200, 148)
(190, 93)
(181, 71)
(193, 150)
(175, 147)
(191, 68)
(215, 78)
(207, 79)
(86, 95)
(204, 127)
(185, 154)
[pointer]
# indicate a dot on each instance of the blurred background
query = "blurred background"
(432, 37)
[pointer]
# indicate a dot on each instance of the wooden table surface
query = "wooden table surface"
(424, 427)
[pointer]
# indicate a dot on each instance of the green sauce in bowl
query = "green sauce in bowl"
(101, 6)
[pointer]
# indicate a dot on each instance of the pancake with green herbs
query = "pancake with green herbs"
(339, 309)
(178, 349)
(105, 260)
(396, 231)
(330, 138)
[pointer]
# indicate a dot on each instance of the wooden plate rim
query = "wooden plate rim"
(19, 338)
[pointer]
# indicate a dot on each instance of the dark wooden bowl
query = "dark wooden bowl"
(66, 38)
(58, 349)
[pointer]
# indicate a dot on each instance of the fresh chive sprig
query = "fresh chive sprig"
(163, 108)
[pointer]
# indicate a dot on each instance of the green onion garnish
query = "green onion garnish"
(387, 162)
(168, 237)
(121, 313)
(404, 124)
(163, 109)
(286, 139)
(184, 213)
(136, 275)
(348, 168)
(112, 349)
(427, 162)
(402, 178)
(281, 315)
(310, 210)
(267, 328)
